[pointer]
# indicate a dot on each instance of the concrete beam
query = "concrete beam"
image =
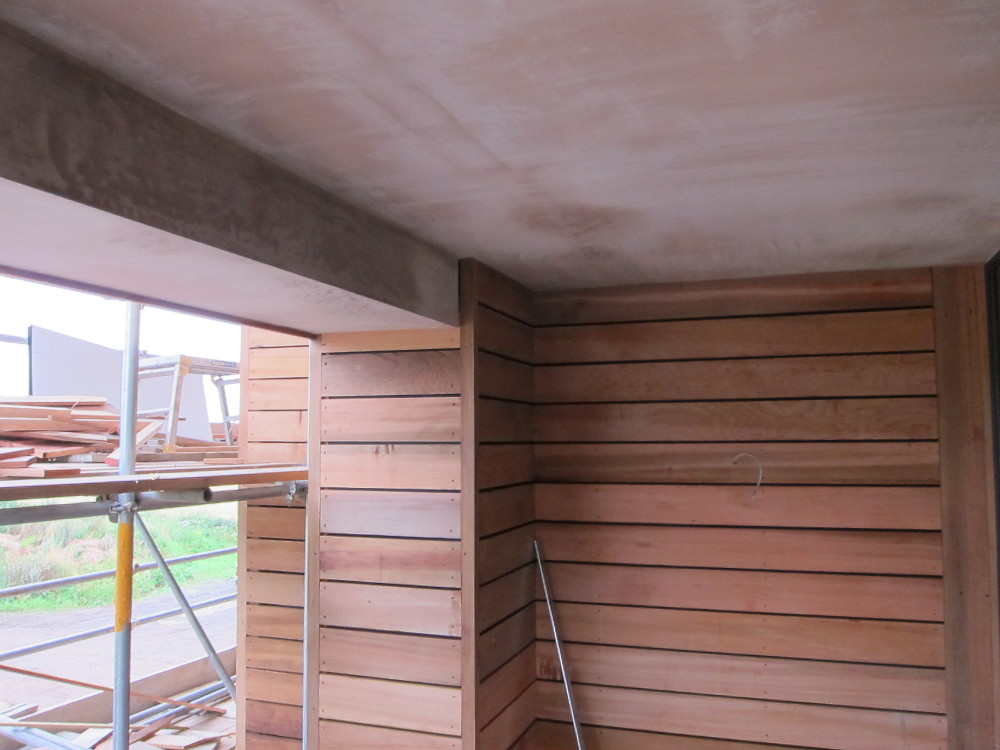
(74, 133)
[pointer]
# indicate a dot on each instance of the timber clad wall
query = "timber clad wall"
(275, 400)
(807, 613)
(390, 554)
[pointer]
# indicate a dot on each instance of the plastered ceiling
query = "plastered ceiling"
(595, 142)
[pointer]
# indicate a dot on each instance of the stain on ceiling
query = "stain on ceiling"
(574, 143)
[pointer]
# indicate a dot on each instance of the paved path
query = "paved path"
(155, 646)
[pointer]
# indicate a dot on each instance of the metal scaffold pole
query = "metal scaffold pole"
(125, 508)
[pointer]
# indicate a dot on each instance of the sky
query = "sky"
(101, 320)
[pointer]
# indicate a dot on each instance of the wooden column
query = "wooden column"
(968, 507)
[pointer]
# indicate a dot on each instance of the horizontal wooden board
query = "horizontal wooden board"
(500, 644)
(830, 594)
(279, 453)
(415, 562)
(274, 622)
(839, 463)
(391, 656)
(274, 654)
(500, 465)
(396, 608)
(500, 334)
(281, 555)
(402, 705)
(281, 362)
(398, 513)
(424, 419)
(426, 373)
(504, 421)
(502, 553)
(276, 426)
(283, 720)
(274, 687)
(504, 685)
(445, 337)
(504, 597)
(263, 337)
(830, 419)
(828, 639)
(835, 333)
(498, 510)
(852, 290)
(492, 288)
(840, 551)
(550, 735)
(390, 467)
(727, 505)
(278, 393)
(283, 589)
(511, 723)
(267, 742)
(783, 377)
(504, 378)
(335, 735)
(793, 680)
(751, 720)
(265, 522)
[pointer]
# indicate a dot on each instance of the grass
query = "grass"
(30, 553)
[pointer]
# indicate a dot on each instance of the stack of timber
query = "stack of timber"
(44, 437)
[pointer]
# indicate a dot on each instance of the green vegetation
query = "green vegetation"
(41, 551)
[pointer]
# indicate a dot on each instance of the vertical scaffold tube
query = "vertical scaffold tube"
(126, 532)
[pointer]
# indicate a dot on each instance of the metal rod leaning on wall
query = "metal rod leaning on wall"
(559, 649)
(126, 532)
(182, 601)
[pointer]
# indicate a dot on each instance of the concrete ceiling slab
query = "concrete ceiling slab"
(579, 143)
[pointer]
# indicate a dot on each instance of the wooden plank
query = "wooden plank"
(41, 471)
(500, 292)
(401, 705)
(750, 720)
(793, 680)
(397, 608)
(505, 378)
(505, 421)
(267, 742)
(830, 594)
(511, 723)
(502, 642)
(275, 427)
(391, 656)
(505, 508)
(414, 562)
(142, 437)
(788, 377)
(273, 719)
(283, 589)
(396, 513)
(391, 467)
(499, 334)
(505, 596)
(502, 553)
(62, 401)
(550, 735)
(279, 453)
(35, 411)
(501, 465)
(787, 636)
(840, 551)
(424, 419)
(277, 555)
(335, 735)
(916, 508)
(274, 687)
(275, 654)
(263, 337)
(275, 523)
(277, 394)
(273, 622)
(835, 419)
(282, 362)
(20, 462)
(445, 337)
(968, 506)
(834, 333)
(425, 373)
(841, 463)
(851, 290)
(505, 684)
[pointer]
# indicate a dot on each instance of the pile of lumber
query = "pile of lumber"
(49, 436)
